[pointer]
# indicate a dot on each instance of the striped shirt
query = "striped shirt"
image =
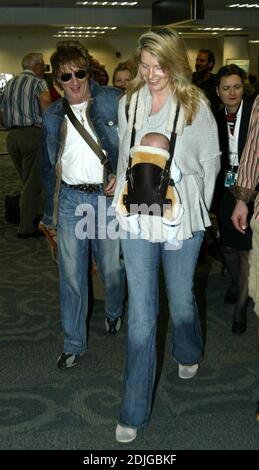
(248, 172)
(20, 100)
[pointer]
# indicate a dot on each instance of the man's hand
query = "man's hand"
(110, 188)
(239, 216)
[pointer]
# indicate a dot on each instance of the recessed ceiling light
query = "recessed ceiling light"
(67, 31)
(83, 31)
(74, 35)
(106, 4)
(244, 5)
(100, 28)
(199, 34)
(217, 28)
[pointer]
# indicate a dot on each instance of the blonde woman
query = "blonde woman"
(162, 81)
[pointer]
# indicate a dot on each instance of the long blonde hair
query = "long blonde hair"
(169, 49)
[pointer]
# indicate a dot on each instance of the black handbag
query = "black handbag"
(149, 187)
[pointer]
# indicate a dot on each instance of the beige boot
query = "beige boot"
(51, 237)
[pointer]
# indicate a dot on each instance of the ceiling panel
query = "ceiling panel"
(47, 16)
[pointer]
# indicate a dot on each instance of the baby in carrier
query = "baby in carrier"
(154, 139)
(136, 211)
(153, 150)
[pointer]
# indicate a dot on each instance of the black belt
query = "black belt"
(86, 188)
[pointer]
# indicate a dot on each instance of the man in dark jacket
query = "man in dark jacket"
(204, 78)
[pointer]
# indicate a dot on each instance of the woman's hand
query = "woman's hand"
(239, 216)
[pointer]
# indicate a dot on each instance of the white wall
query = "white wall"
(254, 58)
(215, 45)
(13, 48)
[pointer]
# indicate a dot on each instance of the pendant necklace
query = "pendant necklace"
(80, 111)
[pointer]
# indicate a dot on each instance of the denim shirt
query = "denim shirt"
(103, 117)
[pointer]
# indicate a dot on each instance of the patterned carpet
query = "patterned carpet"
(42, 407)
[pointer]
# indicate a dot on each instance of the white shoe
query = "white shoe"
(187, 372)
(125, 434)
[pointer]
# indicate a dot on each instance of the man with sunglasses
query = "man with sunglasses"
(83, 212)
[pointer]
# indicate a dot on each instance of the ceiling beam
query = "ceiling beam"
(66, 16)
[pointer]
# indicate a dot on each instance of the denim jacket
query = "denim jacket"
(103, 118)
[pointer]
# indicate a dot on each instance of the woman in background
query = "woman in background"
(122, 76)
(232, 121)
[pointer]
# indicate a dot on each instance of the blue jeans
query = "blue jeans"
(75, 234)
(142, 260)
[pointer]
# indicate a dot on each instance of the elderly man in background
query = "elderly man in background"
(25, 98)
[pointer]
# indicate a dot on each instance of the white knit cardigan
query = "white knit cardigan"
(197, 154)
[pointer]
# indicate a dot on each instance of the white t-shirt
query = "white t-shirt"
(80, 165)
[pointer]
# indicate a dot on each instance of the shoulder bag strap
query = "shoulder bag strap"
(133, 130)
(172, 140)
(165, 177)
(86, 136)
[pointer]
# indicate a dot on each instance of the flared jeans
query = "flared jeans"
(142, 261)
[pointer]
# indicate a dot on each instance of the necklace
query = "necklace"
(79, 110)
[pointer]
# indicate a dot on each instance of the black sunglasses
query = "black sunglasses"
(65, 77)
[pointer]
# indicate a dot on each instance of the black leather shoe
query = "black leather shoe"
(238, 327)
(36, 234)
(37, 219)
(230, 296)
(113, 326)
(67, 360)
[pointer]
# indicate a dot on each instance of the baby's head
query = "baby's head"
(155, 139)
